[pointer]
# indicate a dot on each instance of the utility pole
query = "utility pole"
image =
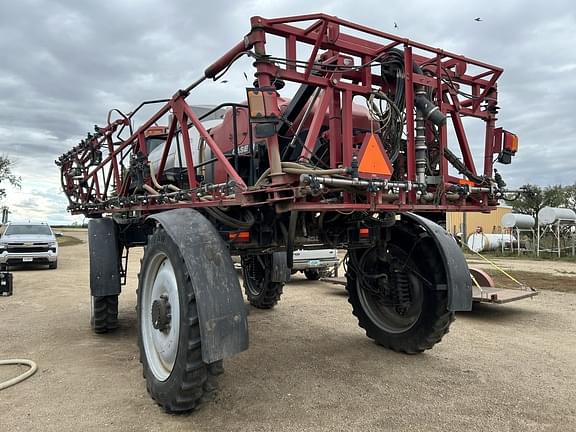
(464, 229)
(5, 213)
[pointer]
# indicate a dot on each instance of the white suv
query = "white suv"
(28, 243)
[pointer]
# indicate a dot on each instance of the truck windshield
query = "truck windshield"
(28, 229)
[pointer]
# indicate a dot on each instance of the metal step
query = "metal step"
(479, 295)
(500, 295)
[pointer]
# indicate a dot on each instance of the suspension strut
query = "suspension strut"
(401, 291)
(420, 141)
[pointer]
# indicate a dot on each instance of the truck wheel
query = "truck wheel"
(312, 274)
(3, 267)
(169, 330)
(53, 265)
(393, 298)
(104, 314)
(256, 272)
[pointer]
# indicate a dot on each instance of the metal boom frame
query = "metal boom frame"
(96, 181)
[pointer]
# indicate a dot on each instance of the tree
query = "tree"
(571, 197)
(556, 196)
(6, 175)
(534, 198)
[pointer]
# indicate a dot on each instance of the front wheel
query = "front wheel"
(169, 330)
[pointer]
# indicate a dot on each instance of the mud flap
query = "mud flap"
(280, 271)
(459, 282)
(104, 252)
(221, 309)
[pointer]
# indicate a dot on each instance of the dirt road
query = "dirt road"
(309, 367)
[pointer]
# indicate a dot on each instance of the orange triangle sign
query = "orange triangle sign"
(373, 158)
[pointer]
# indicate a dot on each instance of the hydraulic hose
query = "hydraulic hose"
(155, 182)
(428, 109)
(296, 168)
(33, 368)
(460, 167)
(230, 221)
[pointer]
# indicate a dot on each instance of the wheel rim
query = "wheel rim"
(255, 275)
(384, 307)
(160, 341)
(388, 317)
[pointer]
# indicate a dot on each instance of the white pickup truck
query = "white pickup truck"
(315, 263)
(28, 243)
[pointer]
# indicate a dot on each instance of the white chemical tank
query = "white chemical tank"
(516, 220)
(479, 242)
(550, 215)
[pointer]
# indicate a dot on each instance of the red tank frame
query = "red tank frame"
(96, 184)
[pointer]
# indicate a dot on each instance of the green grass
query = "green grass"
(68, 241)
(529, 257)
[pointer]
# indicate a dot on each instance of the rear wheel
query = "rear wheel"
(394, 295)
(104, 313)
(312, 274)
(262, 293)
(169, 330)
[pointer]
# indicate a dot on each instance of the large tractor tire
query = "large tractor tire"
(169, 331)
(261, 292)
(104, 314)
(394, 293)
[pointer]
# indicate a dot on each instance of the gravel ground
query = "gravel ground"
(309, 366)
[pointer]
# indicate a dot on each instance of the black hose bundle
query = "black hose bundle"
(392, 70)
(460, 167)
(222, 217)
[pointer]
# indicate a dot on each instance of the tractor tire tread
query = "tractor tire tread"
(105, 314)
(269, 298)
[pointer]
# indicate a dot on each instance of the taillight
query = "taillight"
(364, 233)
(510, 142)
(239, 236)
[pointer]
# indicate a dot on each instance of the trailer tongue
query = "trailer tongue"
(347, 162)
(483, 290)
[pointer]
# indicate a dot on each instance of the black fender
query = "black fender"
(104, 249)
(458, 280)
(221, 308)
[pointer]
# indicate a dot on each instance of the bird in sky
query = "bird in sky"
(395, 25)
(477, 19)
(245, 76)
(223, 81)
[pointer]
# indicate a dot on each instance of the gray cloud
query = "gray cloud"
(66, 63)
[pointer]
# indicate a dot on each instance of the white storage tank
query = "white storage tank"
(479, 242)
(551, 215)
(516, 220)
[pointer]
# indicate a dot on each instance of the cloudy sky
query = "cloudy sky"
(65, 63)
